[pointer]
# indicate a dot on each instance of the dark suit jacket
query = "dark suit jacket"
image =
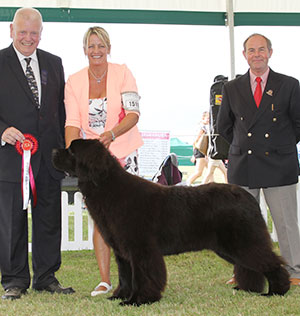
(262, 141)
(17, 109)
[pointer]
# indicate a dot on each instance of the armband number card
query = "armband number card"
(131, 101)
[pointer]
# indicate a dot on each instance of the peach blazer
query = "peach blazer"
(119, 79)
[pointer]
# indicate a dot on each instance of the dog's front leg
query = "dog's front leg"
(124, 289)
(149, 276)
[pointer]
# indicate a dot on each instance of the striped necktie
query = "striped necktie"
(32, 82)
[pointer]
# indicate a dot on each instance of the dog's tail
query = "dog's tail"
(279, 281)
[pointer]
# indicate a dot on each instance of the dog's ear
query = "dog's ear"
(93, 160)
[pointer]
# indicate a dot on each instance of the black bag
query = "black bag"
(168, 173)
(218, 148)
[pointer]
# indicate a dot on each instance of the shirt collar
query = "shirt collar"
(21, 57)
(263, 77)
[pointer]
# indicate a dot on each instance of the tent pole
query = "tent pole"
(230, 24)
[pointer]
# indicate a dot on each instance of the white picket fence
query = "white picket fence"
(72, 231)
(77, 225)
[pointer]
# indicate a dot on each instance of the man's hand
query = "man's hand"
(11, 135)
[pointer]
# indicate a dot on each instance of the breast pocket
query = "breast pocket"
(285, 150)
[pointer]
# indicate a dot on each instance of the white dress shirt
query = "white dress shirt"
(35, 68)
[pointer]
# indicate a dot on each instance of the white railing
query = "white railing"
(72, 233)
(77, 225)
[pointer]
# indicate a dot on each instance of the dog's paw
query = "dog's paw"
(270, 294)
(114, 297)
(266, 294)
(130, 303)
(138, 301)
(120, 295)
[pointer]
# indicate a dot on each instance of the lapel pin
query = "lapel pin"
(270, 93)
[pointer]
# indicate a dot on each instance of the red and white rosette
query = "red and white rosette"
(26, 150)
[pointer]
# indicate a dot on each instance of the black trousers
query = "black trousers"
(46, 233)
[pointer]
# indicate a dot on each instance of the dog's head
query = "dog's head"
(86, 159)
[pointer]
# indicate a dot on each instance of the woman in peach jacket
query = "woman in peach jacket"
(102, 102)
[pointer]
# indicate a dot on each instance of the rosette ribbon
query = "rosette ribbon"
(26, 150)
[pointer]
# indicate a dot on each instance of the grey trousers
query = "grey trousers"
(282, 203)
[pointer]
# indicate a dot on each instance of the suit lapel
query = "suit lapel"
(17, 70)
(43, 65)
(271, 89)
(246, 92)
(248, 107)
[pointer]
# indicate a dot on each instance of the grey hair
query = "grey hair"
(269, 43)
(28, 13)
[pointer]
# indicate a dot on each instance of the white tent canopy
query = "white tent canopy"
(205, 12)
(279, 6)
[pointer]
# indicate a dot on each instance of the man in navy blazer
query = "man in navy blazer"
(43, 120)
(263, 138)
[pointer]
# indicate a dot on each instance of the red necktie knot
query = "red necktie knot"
(258, 91)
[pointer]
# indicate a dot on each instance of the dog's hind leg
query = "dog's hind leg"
(124, 289)
(248, 280)
(149, 277)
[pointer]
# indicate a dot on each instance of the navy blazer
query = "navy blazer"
(263, 140)
(17, 109)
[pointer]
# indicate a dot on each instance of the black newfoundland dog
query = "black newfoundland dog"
(143, 221)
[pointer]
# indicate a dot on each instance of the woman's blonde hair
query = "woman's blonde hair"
(100, 32)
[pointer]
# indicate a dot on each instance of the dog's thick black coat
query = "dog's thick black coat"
(143, 221)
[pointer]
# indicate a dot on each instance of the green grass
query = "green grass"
(84, 226)
(196, 286)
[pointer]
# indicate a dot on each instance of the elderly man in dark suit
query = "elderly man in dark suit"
(31, 108)
(260, 118)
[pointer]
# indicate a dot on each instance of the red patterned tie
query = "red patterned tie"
(258, 92)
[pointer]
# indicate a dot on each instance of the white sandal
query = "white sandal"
(104, 284)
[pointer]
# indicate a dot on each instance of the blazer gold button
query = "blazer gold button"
(267, 153)
(267, 135)
(249, 134)
(274, 119)
(249, 152)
